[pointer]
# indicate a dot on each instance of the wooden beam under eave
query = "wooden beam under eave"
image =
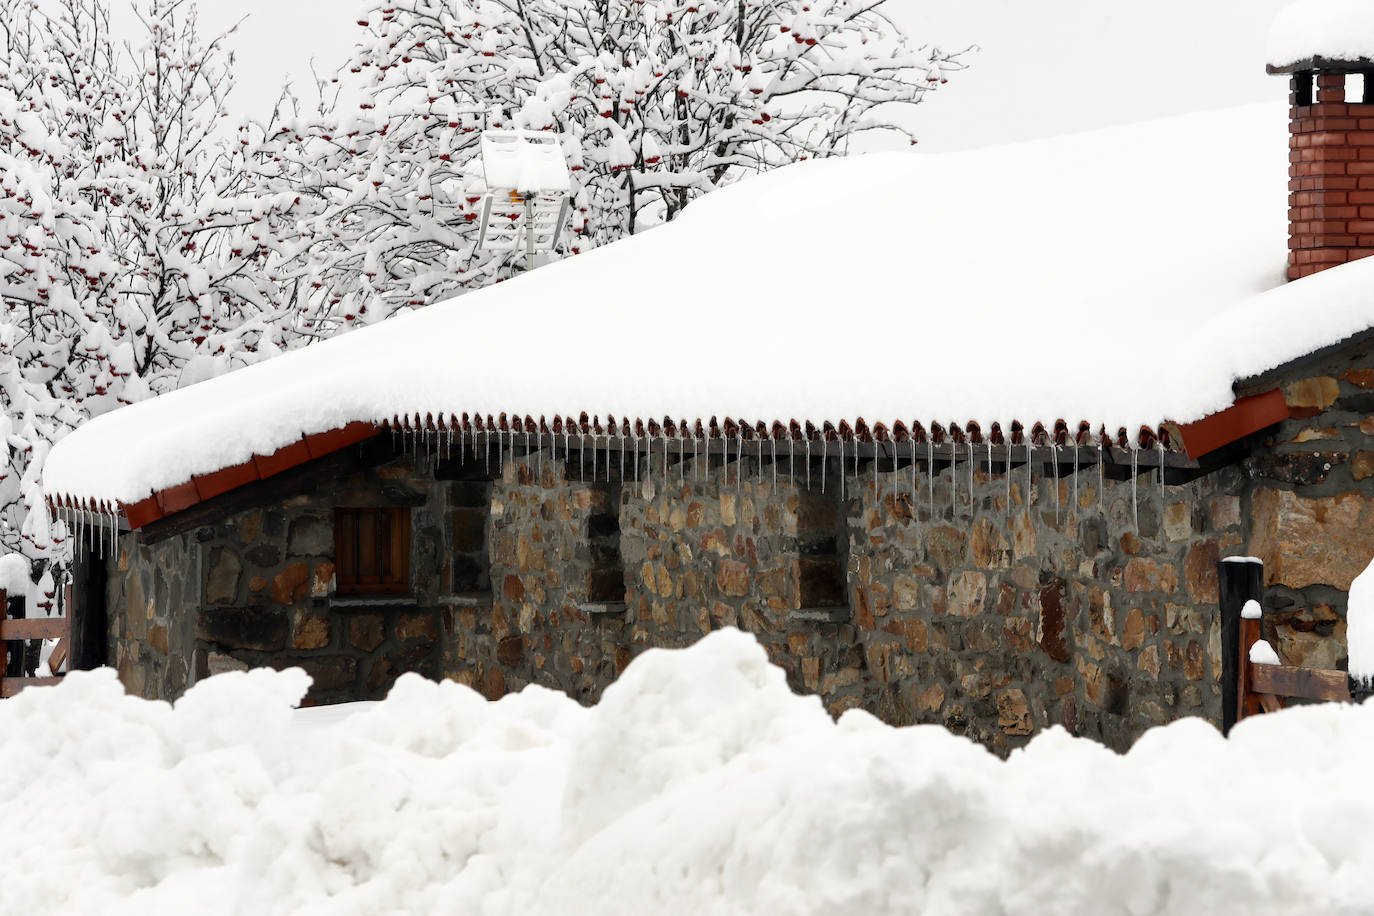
(1246, 416)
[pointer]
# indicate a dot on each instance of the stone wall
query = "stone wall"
(976, 601)
(256, 588)
(994, 620)
(1309, 506)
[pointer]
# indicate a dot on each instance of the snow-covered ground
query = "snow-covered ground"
(700, 784)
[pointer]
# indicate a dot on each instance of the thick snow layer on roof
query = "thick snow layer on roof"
(1109, 277)
(1334, 29)
(699, 784)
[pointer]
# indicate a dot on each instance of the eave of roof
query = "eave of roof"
(1174, 446)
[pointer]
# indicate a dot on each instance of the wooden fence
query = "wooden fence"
(21, 629)
(1248, 689)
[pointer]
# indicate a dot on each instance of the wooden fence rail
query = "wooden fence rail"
(1248, 689)
(21, 629)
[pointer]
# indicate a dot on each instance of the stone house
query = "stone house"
(996, 577)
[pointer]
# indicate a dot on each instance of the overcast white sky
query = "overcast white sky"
(1045, 66)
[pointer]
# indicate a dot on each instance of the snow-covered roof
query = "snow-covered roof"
(1322, 30)
(1121, 277)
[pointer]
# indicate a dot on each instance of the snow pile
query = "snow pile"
(15, 572)
(700, 784)
(1340, 30)
(1262, 653)
(1359, 621)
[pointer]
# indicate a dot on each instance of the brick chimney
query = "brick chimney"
(1331, 163)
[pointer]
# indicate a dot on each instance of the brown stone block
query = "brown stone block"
(366, 631)
(1200, 569)
(291, 585)
(417, 626)
(1311, 541)
(263, 629)
(1053, 621)
(513, 588)
(1319, 392)
(929, 699)
(157, 638)
(1144, 575)
(968, 593)
(328, 672)
(916, 635)
(311, 630)
(1361, 378)
(511, 651)
(732, 578)
(1362, 465)
(1133, 633)
(1013, 714)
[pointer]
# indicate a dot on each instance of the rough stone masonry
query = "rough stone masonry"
(977, 602)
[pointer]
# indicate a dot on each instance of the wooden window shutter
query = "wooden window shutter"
(372, 550)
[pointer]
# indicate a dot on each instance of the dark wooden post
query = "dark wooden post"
(1238, 581)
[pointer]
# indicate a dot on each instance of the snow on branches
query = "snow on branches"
(658, 102)
(132, 247)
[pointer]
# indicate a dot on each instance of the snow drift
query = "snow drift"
(700, 784)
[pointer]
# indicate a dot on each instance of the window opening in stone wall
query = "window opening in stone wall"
(605, 573)
(823, 550)
(470, 507)
(372, 550)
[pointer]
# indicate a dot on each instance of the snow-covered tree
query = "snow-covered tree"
(134, 251)
(657, 101)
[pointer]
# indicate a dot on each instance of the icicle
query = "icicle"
(856, 464)
(914, 492)
(1006, 474)
(622, 457)
(1075, 478)
(681, 462)
(593, 457)
(792, 460)
(696, 466)
(808, 463)
(636, 440)
(930, 473)
(1161, 478)
(739, 463)
(774, 443)
(581, 456)
(486, 448)
(1054, 463)
(1030, 483)
(989, 445)
(970, 478)
(1101, 477)
(1135, 508)
(665, 459)
(825, 449)
(953, 479)
(608, 455)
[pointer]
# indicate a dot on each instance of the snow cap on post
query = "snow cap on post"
(1360, 627)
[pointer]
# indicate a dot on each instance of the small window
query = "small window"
(371, 551)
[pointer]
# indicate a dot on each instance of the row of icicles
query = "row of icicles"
(475, 435)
